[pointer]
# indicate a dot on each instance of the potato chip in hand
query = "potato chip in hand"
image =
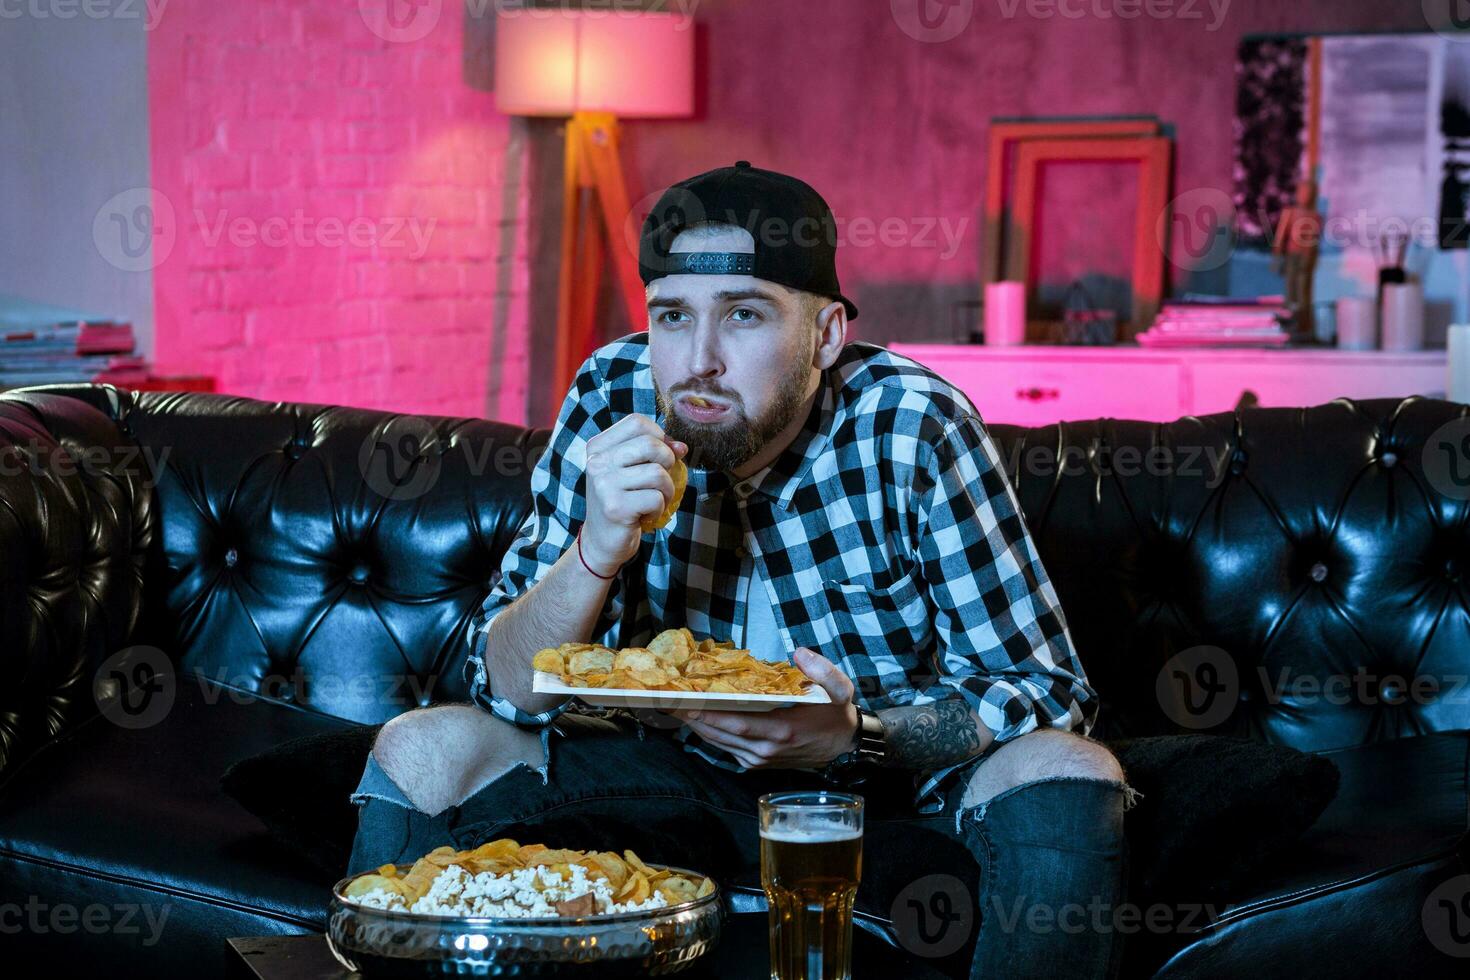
(680, 474)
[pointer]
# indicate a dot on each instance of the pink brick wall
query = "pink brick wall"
(336, 196)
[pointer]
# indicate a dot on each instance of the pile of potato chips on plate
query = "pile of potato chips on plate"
(672, 661)
(629, 879)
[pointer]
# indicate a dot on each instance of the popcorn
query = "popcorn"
(505, 879)
(527, 893)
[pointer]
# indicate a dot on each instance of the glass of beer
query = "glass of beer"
(811, 862)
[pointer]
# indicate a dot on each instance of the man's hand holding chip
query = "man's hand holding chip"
(630, 482)
(806, 736)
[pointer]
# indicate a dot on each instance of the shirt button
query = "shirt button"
(743, 489)
(742, 552)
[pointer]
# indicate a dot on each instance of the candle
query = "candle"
(1459, 358)
(1005, 313)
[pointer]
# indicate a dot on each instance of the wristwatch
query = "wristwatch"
(868, 746)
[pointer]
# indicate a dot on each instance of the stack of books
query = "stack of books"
(42, 344)
(1218, 322)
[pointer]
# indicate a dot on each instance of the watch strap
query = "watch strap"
(870, 743)
(868, 746)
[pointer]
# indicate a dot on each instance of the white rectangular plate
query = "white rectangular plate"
(618, 697)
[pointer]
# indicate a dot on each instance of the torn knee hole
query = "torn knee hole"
(976, 803)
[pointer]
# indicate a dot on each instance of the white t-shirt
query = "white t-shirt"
(762, 635)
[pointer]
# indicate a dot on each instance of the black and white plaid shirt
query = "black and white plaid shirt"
(887, 530)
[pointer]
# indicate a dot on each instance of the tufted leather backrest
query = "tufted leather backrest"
(1295, 575)
(329, 556)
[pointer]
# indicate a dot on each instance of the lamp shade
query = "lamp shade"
(553, 62)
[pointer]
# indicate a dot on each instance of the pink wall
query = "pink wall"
(890, 125)
(336, 197)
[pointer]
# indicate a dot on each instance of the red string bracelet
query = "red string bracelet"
(605, 578)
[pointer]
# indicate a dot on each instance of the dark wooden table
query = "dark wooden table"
(741, 954)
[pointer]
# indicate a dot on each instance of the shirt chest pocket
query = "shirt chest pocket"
(888, 617)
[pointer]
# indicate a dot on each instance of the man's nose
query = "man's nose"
(705, 360)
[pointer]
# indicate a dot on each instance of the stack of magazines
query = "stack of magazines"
(1219, 322)
(41, 344)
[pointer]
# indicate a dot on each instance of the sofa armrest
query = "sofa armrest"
(76, 525)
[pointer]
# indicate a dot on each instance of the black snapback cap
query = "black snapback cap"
(794, 231)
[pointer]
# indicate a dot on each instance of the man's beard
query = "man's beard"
(729, 443)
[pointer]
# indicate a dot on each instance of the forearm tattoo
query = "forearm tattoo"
(930, 736)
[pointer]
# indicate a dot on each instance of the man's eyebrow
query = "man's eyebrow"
(731, 295)
(723, 296)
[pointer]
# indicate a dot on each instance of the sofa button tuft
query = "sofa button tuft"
(1319, 573)
(1390, 460)
(232, 558)
(359, 573)
(1391, 691)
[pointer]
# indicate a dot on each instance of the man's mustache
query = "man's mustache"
(729, 396)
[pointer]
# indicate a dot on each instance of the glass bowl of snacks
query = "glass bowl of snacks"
(508, 909)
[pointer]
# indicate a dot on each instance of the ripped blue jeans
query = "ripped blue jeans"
(959, 887)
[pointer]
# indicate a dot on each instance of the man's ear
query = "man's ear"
(831, 335)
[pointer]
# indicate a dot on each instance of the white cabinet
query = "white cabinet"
(1036, 385)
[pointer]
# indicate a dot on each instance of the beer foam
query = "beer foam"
(829, 834)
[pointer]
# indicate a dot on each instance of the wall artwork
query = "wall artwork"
(1380, 121)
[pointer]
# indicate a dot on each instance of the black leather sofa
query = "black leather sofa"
(299, 583)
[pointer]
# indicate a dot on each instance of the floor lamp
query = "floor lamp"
(594, 67)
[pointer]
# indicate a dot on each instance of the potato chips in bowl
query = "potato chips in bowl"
(506, 908)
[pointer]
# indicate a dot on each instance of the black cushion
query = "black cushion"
(114, 816)
(1347, 898)
(299, 790)
(1214, 810)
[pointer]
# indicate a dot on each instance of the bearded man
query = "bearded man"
(846, 510)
